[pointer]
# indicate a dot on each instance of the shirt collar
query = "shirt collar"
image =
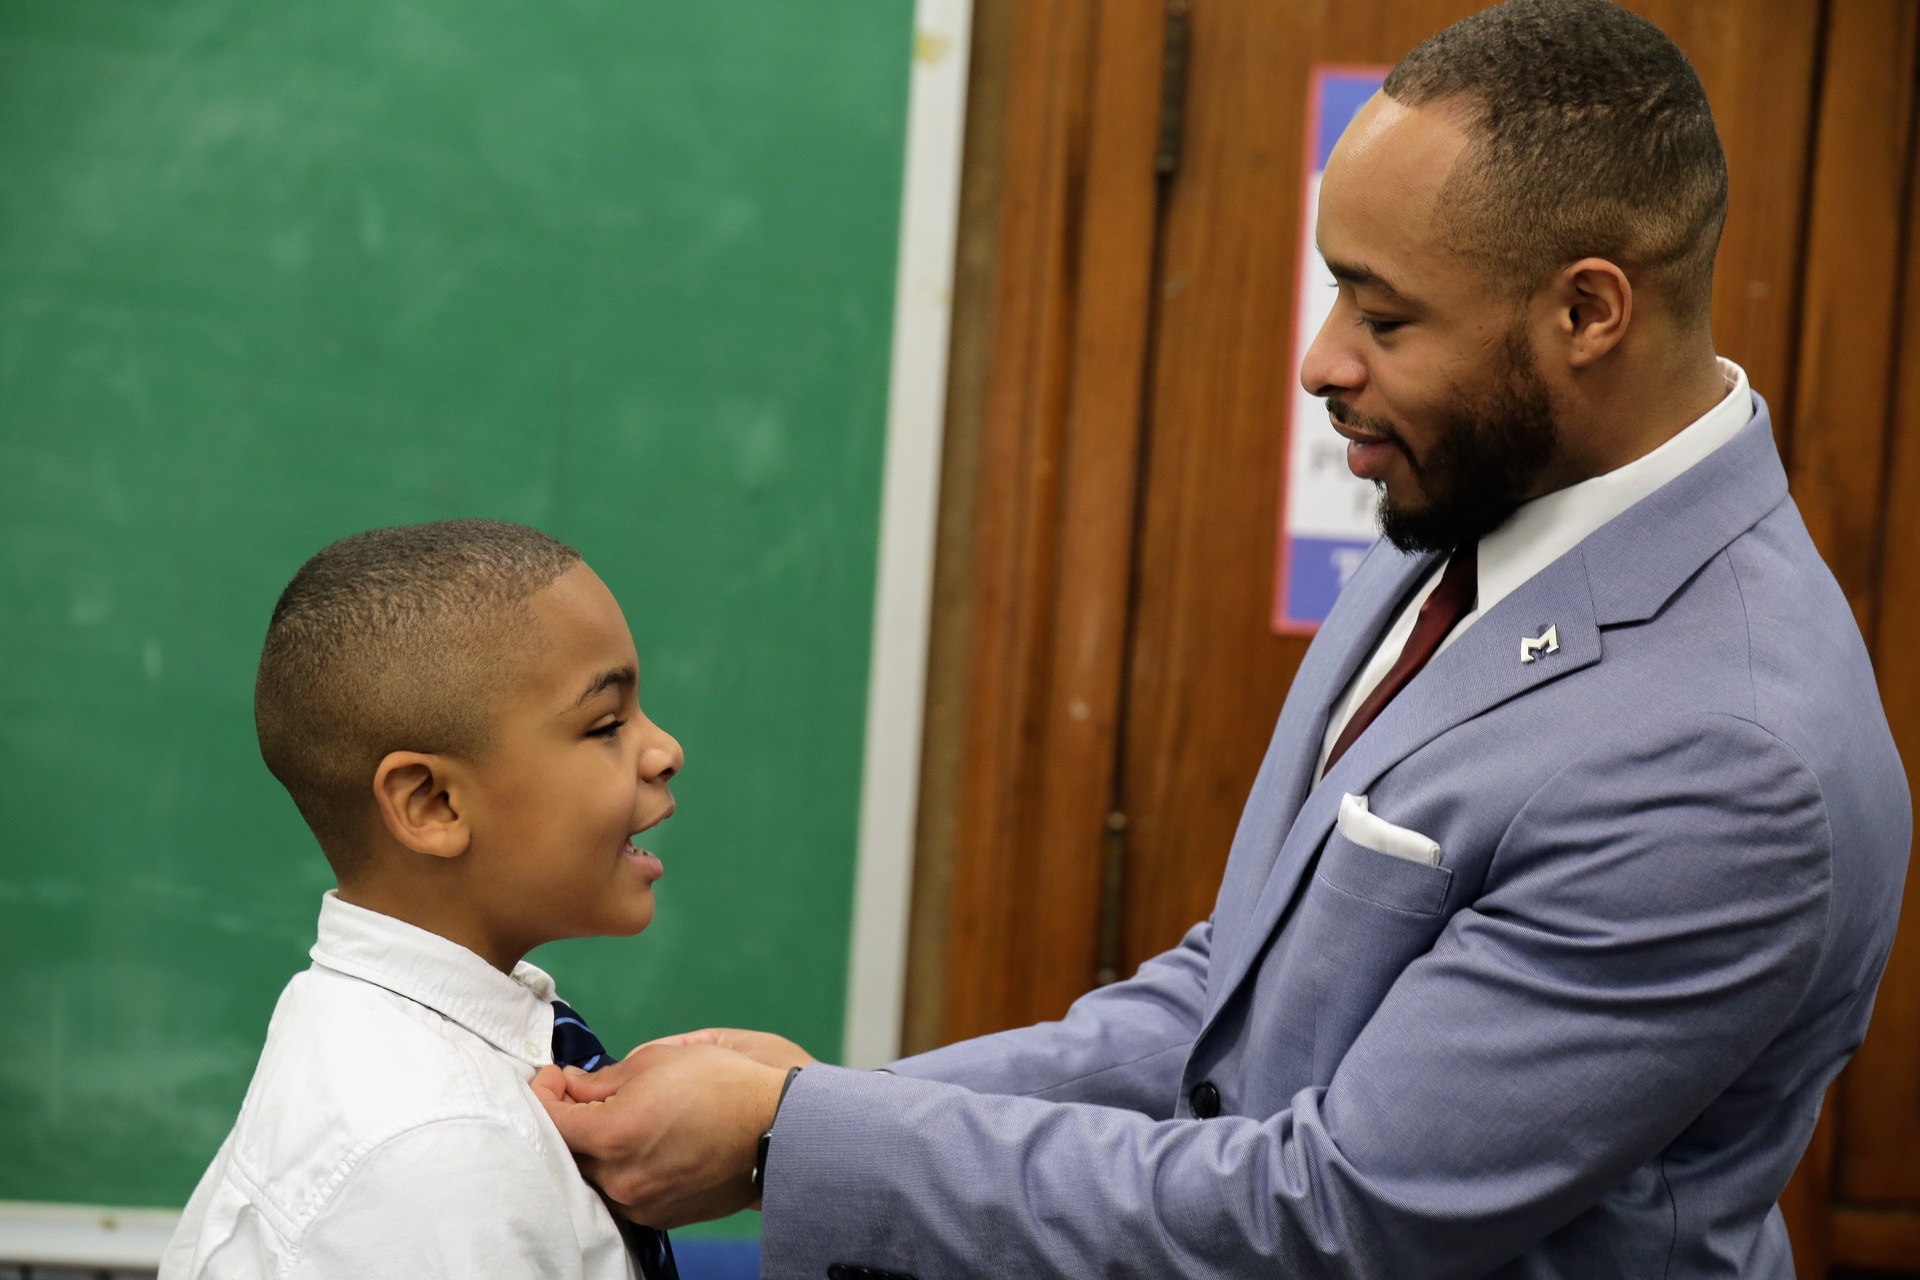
(1545, 529)
(512, 1013)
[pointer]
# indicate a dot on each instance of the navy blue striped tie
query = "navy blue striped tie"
(575, 1045)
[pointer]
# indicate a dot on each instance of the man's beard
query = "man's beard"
(1488, 450)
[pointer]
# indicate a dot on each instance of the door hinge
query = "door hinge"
(1175, 57)
(1113, 879)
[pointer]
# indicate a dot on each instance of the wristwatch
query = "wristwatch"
(766, 1139)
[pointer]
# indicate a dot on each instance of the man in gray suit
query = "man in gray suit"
(1566, 884)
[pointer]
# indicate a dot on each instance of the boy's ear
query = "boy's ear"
(417, 794)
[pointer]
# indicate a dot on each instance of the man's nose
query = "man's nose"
(1330, 366)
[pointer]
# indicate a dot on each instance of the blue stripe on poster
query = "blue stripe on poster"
(1316, 570)
(1342, 94)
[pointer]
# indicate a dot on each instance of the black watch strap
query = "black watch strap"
(766, 1139)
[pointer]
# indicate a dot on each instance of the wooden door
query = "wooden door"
(1120, 678)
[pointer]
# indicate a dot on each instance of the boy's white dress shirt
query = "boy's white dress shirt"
(389, 1130)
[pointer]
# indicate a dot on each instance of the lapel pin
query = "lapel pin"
(1547, 642)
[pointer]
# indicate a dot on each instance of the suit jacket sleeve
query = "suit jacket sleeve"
(1646, 927)
(1121, 1045)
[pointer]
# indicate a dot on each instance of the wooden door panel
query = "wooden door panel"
(1058, 454)
(1880, 1094)
(1850, 290)
(1759, 63)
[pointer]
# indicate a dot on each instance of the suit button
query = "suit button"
(1206, 1101)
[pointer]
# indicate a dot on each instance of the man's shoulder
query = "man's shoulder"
(348, 1068)
(1807, 668)
(1798, 618)
(1814, 686)
(1761, 630)
(1757, 660)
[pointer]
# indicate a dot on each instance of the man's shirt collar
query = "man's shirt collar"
(1545, 529)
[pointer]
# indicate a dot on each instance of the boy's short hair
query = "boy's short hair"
(393, 640)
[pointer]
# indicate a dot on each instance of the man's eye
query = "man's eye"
(1378, 327)
(607, 730)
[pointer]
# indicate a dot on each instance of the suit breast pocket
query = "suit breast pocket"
(1382, 879)
(1364, 919)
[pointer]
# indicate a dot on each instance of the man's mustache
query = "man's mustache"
(1347, 416)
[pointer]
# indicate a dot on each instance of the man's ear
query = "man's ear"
(1596, 306)
(418, 797)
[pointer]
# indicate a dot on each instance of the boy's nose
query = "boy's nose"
(662, 758)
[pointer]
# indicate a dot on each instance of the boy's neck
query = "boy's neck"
(447, 914)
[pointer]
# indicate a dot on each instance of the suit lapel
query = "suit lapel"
(1344, 642)
(1483, 668)
(1478, 672)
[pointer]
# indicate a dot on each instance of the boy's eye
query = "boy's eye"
(607, 730)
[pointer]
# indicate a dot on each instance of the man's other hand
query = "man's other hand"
(672, 1136)
(761, 1046)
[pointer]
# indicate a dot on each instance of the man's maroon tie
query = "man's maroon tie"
(1440, 613)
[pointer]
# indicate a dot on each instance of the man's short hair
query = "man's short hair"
(1590, 136)
(393, 640)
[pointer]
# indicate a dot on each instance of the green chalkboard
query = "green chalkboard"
(271, 273)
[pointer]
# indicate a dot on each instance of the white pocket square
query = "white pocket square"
(1368, 831)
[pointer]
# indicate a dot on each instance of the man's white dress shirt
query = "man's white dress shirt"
(1542, 531)
(389, 1130)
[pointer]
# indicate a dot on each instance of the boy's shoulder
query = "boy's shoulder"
(350, 1068)
(375, 1131)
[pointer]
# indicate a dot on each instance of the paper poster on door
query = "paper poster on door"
(1326, 513)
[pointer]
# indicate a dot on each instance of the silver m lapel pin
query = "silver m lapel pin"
(1547, 642)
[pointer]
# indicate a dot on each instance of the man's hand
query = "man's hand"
(674, 1140)
(761, 1046)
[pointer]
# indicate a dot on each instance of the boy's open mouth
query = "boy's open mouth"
(645, 859)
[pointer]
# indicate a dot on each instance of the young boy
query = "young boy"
(454, 709)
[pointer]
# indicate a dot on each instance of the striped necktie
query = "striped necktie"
(575, 1045)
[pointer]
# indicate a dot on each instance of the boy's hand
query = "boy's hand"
(679, 1145)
